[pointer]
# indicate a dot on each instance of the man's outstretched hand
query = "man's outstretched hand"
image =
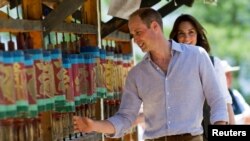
(83, 124)
(87, 125)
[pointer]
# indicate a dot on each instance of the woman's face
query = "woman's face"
(186, 33)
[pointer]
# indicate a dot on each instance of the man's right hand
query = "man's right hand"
(83, 124)
(86, 125)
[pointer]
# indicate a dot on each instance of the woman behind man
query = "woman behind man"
(188, 30)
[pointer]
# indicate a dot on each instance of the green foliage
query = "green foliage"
(138, 57)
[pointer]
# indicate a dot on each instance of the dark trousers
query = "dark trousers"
(184, 137)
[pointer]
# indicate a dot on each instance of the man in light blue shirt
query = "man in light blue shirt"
(172, 81)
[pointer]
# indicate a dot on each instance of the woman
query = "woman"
(188, 30)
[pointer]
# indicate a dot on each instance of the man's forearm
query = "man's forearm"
(220, 123)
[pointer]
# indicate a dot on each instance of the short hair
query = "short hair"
(201, 32)
(148, 15)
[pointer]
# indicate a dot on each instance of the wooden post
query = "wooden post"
(89, 14)
(32, 9)
(126, 47)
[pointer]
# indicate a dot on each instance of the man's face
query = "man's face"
(141, 33)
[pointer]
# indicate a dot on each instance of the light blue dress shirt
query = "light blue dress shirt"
(172, 103)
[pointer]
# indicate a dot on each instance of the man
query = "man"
(240, 106)
(172, 81)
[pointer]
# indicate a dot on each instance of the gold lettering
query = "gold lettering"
(8, 84)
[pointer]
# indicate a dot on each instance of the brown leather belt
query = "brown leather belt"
(186, 134)
(174, 137)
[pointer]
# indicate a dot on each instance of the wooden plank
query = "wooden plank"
(63, 10)
(51, 3)
(173, 5)
(111, 26)
(46, 122)
(76, 28)
(187, 2)
(89, 14)
(126, 47)
(118, 36)
(149, 3)
(14, 3)
(12, 25)
(32, 10)
(124, 28)
(3, 15)
(3, 3)
(77, 15)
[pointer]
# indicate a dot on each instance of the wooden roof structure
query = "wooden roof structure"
(121, 24)
(56, 11)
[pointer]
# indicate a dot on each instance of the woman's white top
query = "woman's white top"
(220, 72)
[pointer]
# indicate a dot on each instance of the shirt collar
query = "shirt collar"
(174, 47)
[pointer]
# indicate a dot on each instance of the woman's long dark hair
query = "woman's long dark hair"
(201, 36)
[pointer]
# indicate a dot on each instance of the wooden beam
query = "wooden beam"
(11, 25)
(118, 36)
(89, 14)
(3, 15)
(51, 3)
(46, 123)
(126, 47)
(115, 23)
(32, 10)
(111, 26)
(173, 5)
(76, 28)
(149, 3)
(63, 10)
(77, 15)
(124, 28)
(3, 3)
(187, 2)
(14, 3)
